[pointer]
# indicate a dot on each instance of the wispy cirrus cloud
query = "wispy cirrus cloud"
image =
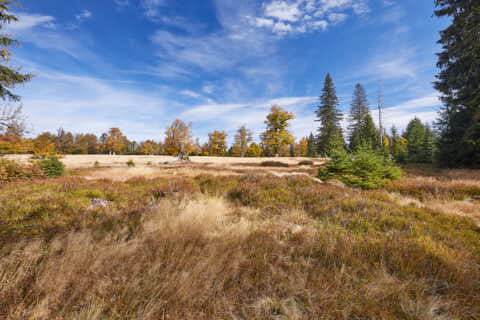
(84, 15)
(122, 3)
(29, 21)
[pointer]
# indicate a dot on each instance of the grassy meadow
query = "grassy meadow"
(228, 238)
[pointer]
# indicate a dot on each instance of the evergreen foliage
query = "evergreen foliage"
(330, 131)
(362, 130)
(415, 136)
(398, 148)
(10, 78)
(52, 167)
(311, 147)
(459, 84)
(363, 168)
(420, 142)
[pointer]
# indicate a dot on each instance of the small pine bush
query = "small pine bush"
(52, 167)
(364, 169)
(130, 163)
(149, 163)
(96, 164)
(274, 164)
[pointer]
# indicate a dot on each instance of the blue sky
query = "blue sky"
(140, 64)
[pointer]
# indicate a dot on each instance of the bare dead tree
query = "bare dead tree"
(12, 119)
(380, 107)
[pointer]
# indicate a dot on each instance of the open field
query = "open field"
(86, 161)
(225, 238)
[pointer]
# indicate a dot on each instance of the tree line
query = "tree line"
(415, 144)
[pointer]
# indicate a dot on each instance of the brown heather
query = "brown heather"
(255, 246)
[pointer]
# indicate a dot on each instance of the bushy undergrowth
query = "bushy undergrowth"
(280, 248)
(305, 163)
(274, 164)
(130, 163)
(52, 167)
(12, 171)
(364, 169)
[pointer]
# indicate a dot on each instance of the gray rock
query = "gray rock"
(98, 203)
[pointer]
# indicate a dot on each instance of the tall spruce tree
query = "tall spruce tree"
(358, 110)
(428, 145)
(459, 84)
(311, 146)
(330, 134)
(369, 134)
(415, 136)
(362, 130)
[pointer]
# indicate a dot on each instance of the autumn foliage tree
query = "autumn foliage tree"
(254, 150)
(148, 148)
(115, 141)
(276, 139)
(242, 139)
(301, 148)
(178, 139)
(217, 143)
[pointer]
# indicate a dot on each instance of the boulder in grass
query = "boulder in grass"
(98, 203)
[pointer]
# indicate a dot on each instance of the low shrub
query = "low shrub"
(11, 171)
(52, 167)
(274, 164)
(96, 164)
(149, 163)
(130, 163)
(305, 163)
(364, 169)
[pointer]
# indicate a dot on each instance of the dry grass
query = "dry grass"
(270, 245)
(87, 161)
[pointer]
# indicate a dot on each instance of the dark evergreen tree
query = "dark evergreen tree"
(358, 111)
(10, 78)
(399, 146)
(330, 134)
(415, 136)
(368, 134)
(311, 146)
(459, 84)
(428, 145)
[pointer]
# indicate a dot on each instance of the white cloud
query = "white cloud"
(122, 3)
(262, 22)
(29, 21)
(84, 15)
(208, 89)
(89, 104)
(191, 94)
(388, 3)
(425, 108)
(285, 17)
(152, 8)
(321, 24)
(431, 100)
(336, 18)
(252, 114)
(283, 11)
